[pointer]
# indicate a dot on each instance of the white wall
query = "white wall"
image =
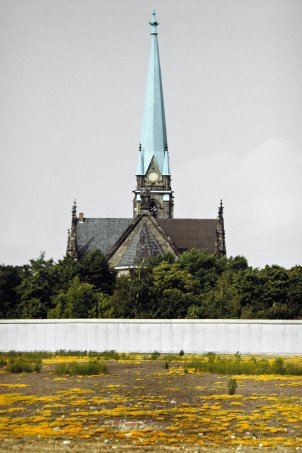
(145, 335)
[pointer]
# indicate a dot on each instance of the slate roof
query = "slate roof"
(99, 234)
(143, 245)
(104, 233)
(191, 233)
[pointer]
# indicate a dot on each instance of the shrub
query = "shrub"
(213, 363)
(84, 369)
(181, 353)
(155, 355)
(20, 365)
(278, 366)
(232, 386)
(167, 366)
(112, 354)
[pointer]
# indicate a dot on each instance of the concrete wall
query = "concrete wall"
(132, 335)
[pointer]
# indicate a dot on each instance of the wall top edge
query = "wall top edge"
(151, 321)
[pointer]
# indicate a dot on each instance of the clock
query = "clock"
(153, 176)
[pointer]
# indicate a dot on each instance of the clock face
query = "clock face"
(153, 176)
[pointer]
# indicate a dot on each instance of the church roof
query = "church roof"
(154, 135)
(99, 234)
(106, 234)
(191, 233)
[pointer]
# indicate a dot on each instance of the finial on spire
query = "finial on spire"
(153, 23)
(74, 210)
(220, 210)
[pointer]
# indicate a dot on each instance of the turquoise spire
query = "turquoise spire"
(154, 135)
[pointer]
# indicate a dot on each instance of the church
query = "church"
(128, 242)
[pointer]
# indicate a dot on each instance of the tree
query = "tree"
(204, 267)
(81, 300)
(94, 269)
(176, 290)
(134, 295)
(294, 294)
(224, 300)
(10, 278)
(37, 288)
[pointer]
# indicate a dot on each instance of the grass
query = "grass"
(214, 363)
(82, 369)
(21, 365)
(232, 386)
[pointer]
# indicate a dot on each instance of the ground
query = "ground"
(148, 405)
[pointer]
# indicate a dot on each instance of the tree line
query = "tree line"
(196, 285)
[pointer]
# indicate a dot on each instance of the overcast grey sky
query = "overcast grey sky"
(72, 86)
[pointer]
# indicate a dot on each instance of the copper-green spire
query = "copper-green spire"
(154, 135)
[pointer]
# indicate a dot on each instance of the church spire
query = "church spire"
(154, 135)
(153, 169)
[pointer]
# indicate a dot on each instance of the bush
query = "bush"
(83, 369)
(20, 365)
(232, 386)
(181, 353)
(213, 363)
(155, 355)
(112, 354)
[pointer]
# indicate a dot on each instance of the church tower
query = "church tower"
(153, 179)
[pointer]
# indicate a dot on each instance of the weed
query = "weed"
(20, 365)
(213, 363)
(112, 354)
(232, 386)
(167, 366)
(155, 355)
(84, 369)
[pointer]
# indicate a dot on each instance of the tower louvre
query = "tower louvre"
(153, 179)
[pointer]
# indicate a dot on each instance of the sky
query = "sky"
(72, 87)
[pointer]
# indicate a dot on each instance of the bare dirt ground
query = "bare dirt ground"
(142, 406)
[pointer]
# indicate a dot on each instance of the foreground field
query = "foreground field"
(153, 405)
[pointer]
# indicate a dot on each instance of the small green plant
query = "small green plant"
(155, 355)
(214, 363)
(186, 370)
(167, 366)
(20, 365)
(112, 354)
(2, 361)
(278, 366)
(82, 369)
(232, 386)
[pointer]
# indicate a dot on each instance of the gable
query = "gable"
(143, 239)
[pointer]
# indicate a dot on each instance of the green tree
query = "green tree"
(10, 278)
(94, 269)
(294, 294)
(134, 295)
(224, 300)
(37, 288)
(176, 290)
(204, 267)
(81, 300)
